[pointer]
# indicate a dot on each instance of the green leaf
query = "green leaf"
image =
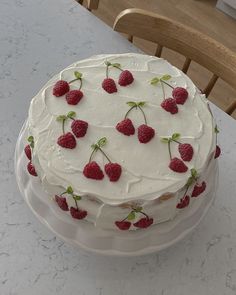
(116, 65)
(61, 118)
(131, 215)
(216, 129)
(141, 103)
(69, 190)
(166, 77)
(107, 63)
(131, 103)
(102, 141)
(175, 136)
(194, 173)
(77, 198)
(71, 114)
(138, 209)
(165, 139)
(30, 138)
(154, 81)
(78, 75)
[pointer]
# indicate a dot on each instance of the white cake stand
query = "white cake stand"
(87, 236)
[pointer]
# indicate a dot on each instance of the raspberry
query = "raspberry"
(186, 151)
(93, 170)
(109, 85)
(125, 78)
(67, 141)
(28, 151)
(126, 127)
(60, 88)
(178, 165)
(73, 97)
(198, 189)
(61, 201)
(184, 202)
(123, 225)
(31, 169)
(145, 133)
(180, 95)
(113, 171)
(78, 214)
(170, 105)
(144, 222)
(217, 152)
(79, 128)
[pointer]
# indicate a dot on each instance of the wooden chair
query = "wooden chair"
(91, 4)
(194, 45)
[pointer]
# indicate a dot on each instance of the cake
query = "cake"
(122, 141)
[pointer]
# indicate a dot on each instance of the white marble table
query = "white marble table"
(37, 39)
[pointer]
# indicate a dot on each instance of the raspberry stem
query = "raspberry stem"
(107, 71)
(104, 154)
(176, 141)
(75, 203)
(169, 149)
(93, 152)
(63, 126)
(144, 116)
(163, 90)
(126, 115)
(114, 66)
(166, 83)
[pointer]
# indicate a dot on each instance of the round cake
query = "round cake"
(122, 141)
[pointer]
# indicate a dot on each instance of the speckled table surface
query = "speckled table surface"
(38, 38)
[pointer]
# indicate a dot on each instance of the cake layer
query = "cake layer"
(146, 175)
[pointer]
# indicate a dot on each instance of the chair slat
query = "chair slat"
(210, 85)
(158, 50)
(231, 108)
(186, 65)
(130, 38)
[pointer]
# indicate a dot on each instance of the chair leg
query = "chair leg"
(210, 85)
(158, 50)
(232, 107)
(130, 38)
(80, 2)
(186, 65)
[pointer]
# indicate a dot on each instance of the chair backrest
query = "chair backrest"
(189, 42)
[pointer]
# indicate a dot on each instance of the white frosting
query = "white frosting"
(145, 173)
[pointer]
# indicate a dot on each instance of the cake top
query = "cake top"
(142, 146)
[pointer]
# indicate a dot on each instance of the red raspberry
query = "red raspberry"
(180, 95)
(217, 152)
(60, 88)
(198, 189)
(93, 170)
(123, 225)
(78, 214)
(145, 133)
(184, 202)
(28, 151)
(79, 128)
(113, 171)
(61, 201)
(144, 222)
(109, 85)
(74, 96)
(31, 169)
(186, 151)
(178, 165)
(67, 141)
(125, 78)
(170, 105)
(126, 127)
